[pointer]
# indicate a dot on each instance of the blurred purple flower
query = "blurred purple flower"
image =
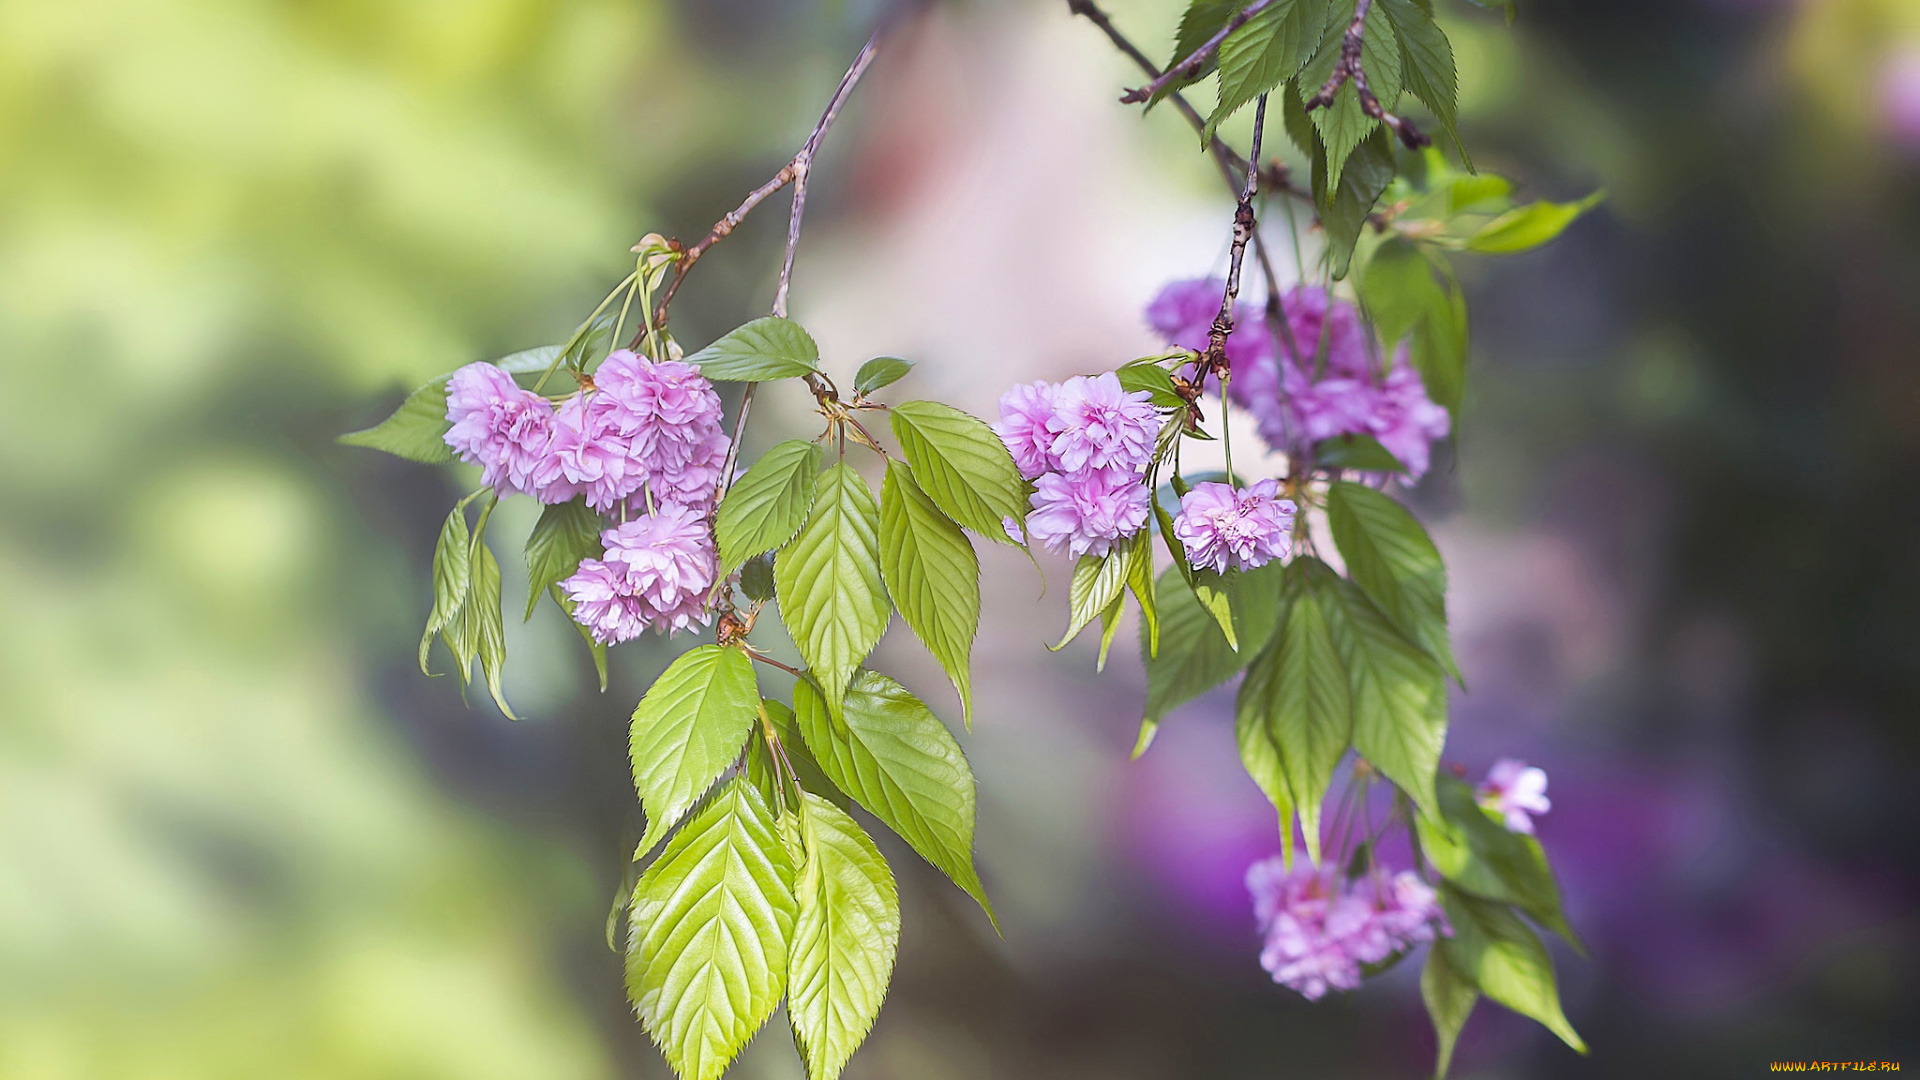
(655, 575)
(1223, 528)
(1899, 94)
(1405, 420)
(1096, 424)
(500, 427)
(1513, 789)
(1183, 314)
(1086, 512)
(1320, 929)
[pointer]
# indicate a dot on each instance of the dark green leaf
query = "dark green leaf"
(1264, 53)
(1366, 176)
(880, 371)
(1529, 226)
(1344, 125)
(844, 939)
(1481, 856)
(932, 574)
(1450, 997)
(1356, 453)
(1497, 952)
(1428, 63)
(769, 348)
(566, 533)
(961, 465)
(1391, 557)
(688, 728)
(1399, 693)
(756, 579)
(828, 580)
(766, 507)
(416, 430)
(1154, 379)
(1201, 20)
(1194, 656)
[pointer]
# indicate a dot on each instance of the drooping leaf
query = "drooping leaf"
(1109, 628)
(932, 574)
(763, 772)
(1397, 288)
(1481, 856)
(1098, 581)
(1484, 192)
(416, 430)
(1390, 556)
(1260, 756)
(1194, 655)
(1529, 226)
(1298, 690)
(452, 568)
(712, 921)
(1154, 379)
(880, 371)
(1450, 997)
(594, 648)
(766, 507)
(1404, 297)
(1267, 51)
(1345, 208)
(487, 623)
(566, 533)
(1503, 957)
(828, 580)
(1439, 348)
(1399, 693)
(769, 348)
(1344, 125)
(961, 465)
(1140, 583)
(688, 728)
(898, 760)
(1428, 63)
(844, 938)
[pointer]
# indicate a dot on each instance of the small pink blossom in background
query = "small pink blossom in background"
(1087, 512)
(1096, 424)
(655, 575)
(1222, 528)
(1320, 929)
(1024, 412)
(1514, 790)
(1405, 420)
(1183, 314)
(500, 427)
(1899, 98)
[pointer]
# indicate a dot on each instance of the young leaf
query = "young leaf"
(1391, 557)
(1264, 53)
(1439, 351)
(1397, 289)
(529, 361)
(760, 764)
(1529, 226)
(961, 465)
(1399, 693)
(1109, 626)
(1496, 951)
(1154, 379)
(452, 568)
(566, 533)
(767, 506)
(416, 430)
(1482, 857)
(1098, 580)
(844, 938)
(1450, 997)
(485, 622)
(1140, 584)
(898, 760)
(1366, 175)
(687, 729)
(1428, 63)
(712, 919)
(1343, 125)
(828, 580)
(932, 574)
(769, 348)
(1297, 688)
(880, 371)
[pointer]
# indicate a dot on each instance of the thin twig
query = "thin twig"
(1350, 69)
(1244, 229)
(1190, 67)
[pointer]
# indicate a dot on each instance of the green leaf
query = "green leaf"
(1403, 296)
(1483, 192)
(1298, 690)
(844, 939)
(594, 648)
(828, 580)
(1357, 453)
(1399, 693)
(688, 728)
(566, 533)
(1450, 997)
(1344, 125)
(1154, 379)
(711, 923)
(1439, 351)
(1207, 586)
(1397, 289)
(756, 579)
(1098, 580)
(1261, 757)
(880, 371)
(1366, 175)
(1201, 20)
(898, 760)
(416, 430)
(1194, 655)
(932, 574)
(1140, 584)
(486, 624)
(1529, 226)
(451, 572)
(766, 507)
(1496, 951)
(961, 465)
(1299, 126)
(1481, 856)
(529, 361)
(1267, 51)
(760, 765)
(1428, 63)
(1390, 556)
(769, 348)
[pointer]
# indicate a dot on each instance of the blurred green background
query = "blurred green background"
(241, 836)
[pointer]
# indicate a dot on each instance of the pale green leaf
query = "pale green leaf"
(1529, 226)
(486, 624)
(1399, 693)
(416, 430)
(1501, 955)
(1098, 581)
(762, 770)
(932, 574)
(595, 648)
(452, 568)
(1390, 556)
(1260, 756)
(529, 361)
(1154, 379)
(844, 938)
(766, 507)
(688, 728)
(880, 371)
(1477, 853)
(1450, 997)
(1140, 583)
(898, 760)
(712, 921)
(566, 533)
(769, 348)
(828, 580)
(961, 465)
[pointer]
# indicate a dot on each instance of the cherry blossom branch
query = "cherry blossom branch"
(1190, 67)
(1350, 69)
(1244, 229)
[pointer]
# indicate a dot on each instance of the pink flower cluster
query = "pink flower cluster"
(1223, 528)
(1085, 443)
(1274, 376)
(1320, 929)
(644, 440)
(1514, 789)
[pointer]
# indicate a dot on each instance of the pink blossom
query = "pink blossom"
(655, 575)
(1319, 929)
(1183, 314)
(1514, 790)
(1222, 528)
(1024, 412)
(591, 456)
(500, 427)
(1405, 420)
(1096, 424)
(1087, 512)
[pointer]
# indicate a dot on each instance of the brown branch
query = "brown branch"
(1244, 229)
(1190, 67)
(1350, 69)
